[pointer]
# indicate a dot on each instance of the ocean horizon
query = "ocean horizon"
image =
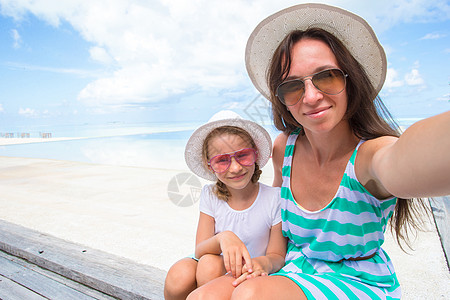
(150, 145)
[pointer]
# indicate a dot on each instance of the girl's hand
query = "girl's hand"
(235, 254)
(257, 271)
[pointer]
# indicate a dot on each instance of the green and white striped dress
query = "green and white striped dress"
(320, 243)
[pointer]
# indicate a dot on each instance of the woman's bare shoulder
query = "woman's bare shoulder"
(281, 140)
(370, 147)
(279, 144)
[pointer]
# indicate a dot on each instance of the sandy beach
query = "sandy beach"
(129, 212)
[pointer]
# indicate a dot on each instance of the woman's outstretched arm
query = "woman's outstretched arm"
(415, 165)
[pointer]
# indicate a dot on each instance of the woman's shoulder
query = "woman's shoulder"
(368, 148)
(281, 139)
(279, 146)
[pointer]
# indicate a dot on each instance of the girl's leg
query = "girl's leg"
(180, 279)
(268, 287)
(217, 289)
(209, 267)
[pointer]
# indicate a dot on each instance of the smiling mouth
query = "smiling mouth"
(237, 176)
(317, 111)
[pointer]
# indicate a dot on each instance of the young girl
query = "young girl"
(239, 228)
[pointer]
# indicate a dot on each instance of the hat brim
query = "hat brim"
(194, 146)
(355, 33)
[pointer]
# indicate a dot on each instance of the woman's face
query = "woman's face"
(316, 111)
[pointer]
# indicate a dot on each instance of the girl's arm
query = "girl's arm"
(415, 165)
(279, 146)
(233, 249)
(272, 262)
(205, 232)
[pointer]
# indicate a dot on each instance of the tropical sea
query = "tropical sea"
(155, 145)
(150, 145)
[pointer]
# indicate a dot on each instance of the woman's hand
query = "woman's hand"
(235, 254)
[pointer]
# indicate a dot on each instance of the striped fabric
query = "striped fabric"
(352, 225)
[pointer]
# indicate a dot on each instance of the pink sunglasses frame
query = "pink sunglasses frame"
(233, 154)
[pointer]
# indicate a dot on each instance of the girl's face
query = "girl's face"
(237, 176)
(316, 111)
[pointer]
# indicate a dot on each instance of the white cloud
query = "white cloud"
(391, 79)
(432, 36)
(414, 78)
(76, 72)
(445, 98)
(1, 108)
(27, 112)
(101, 55)
(163, 48)
(157, 49)
(16, 38)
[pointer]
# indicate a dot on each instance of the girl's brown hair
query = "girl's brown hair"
(367, 115)
(220, 188)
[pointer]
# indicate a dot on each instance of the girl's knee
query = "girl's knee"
(180, 279)
(210, 259)
(209, 267)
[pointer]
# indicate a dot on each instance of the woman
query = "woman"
(343, 170)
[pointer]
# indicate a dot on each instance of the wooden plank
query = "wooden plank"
(440, 207)
(110, 274)
(38, 283)
(12, 291)
(22, 267)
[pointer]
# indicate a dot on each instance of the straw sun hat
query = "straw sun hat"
(194, 146)
(352, 30)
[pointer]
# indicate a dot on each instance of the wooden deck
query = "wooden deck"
(38, 266)
(20, 280)
(440, 207)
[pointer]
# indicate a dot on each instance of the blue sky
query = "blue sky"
(70, 62)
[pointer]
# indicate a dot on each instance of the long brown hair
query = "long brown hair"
(367, 115)
(220, 189)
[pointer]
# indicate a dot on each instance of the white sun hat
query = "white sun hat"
(194, 146)
(352, 30)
